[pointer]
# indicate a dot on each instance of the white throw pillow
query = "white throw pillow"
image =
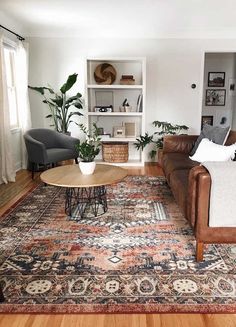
(209, 151)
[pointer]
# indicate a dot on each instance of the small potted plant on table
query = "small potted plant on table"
(157, 137)
(89, 149)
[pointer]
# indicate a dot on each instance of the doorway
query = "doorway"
(219, 90)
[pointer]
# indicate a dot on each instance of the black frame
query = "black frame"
(215, 90)
(212, 84)
(206, 120)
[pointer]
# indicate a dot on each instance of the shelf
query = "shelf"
(130, 163)
(120, 139)
(115, 94)
(114, 86)
(118, 113)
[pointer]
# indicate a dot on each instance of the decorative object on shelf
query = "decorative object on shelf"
(125, 107)
(215, 97)
(103, 108)
(119, 131)
(100, 130)
(223, 120)
(166, 129)
(216, 79)
(89, 149)
(232, 87)
(105, 136)
(127, 80)
(59, 105)
(139, 103)
(115, 152)
(130, 129)
(207, 120)
(104, 98)
(105, 74)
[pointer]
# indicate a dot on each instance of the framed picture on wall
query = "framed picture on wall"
(216, 79)
(215, 97)
(207, 120)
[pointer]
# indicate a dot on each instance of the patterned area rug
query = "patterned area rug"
(137, 257)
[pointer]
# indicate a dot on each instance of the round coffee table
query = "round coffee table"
(86, 195)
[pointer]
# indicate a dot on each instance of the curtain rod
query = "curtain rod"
(17, 35)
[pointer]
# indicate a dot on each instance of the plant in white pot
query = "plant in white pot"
(88, 149)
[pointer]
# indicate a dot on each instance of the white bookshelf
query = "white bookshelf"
(116, 113)
(116, 93)
(114, 87)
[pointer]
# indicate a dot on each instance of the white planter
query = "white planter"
(87, 168)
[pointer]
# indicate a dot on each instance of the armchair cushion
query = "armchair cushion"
(59, 154)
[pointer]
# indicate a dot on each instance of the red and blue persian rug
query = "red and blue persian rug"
(137, 257)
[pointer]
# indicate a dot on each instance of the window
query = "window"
(9, 56)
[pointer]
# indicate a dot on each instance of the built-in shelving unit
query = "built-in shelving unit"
(116, 113)
(126, 87)
(115, 94)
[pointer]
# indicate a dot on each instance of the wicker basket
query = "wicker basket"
(115, 152)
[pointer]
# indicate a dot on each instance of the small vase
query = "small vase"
(87, 168)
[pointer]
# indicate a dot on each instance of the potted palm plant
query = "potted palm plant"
(88, 149)
(60, 105)
(157, 137)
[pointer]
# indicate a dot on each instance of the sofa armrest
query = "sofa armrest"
(203, 204)
(192, 193)
(179, 143)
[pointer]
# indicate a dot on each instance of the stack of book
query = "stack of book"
(127, 80)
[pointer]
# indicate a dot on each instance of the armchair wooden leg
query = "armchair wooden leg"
(199, 251)
(32, 169)
(76, 161)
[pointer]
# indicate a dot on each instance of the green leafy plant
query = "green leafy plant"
(59, 104)
(157, 137)
(90, 148)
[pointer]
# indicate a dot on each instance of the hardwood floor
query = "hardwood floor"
(10, 193)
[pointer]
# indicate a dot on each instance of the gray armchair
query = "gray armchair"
(45, 146)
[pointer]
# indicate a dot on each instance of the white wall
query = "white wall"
(220, 62)
(172, 66)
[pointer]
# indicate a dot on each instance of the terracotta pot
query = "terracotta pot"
(87, 168)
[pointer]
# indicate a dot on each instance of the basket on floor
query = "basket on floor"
(115, 152)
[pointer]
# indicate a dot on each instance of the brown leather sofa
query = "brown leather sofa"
(190, 184)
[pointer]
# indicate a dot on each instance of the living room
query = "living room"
(176, 44)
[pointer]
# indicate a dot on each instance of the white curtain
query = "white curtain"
(7, 168)
(23, 107)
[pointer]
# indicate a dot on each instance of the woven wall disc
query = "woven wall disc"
(105, 74)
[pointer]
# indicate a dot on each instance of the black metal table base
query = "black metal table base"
(85, 202)
(2, 299)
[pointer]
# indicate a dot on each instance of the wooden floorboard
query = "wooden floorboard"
(11, 193)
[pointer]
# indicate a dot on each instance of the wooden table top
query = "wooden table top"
(71, 176)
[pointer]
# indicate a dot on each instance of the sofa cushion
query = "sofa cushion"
(59, 154)
(216, 134)
(176, 161)
(179, 188)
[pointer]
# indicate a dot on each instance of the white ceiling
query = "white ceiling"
(122, 18)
